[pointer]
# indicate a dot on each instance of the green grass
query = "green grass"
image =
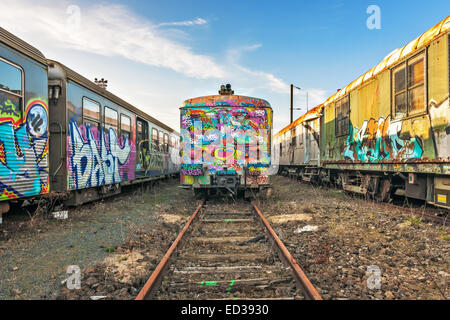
(445, 236)
(416, 221)
(339, 194)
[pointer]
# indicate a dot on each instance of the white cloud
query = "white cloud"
(188, 23)
(258, 79)
(135, 55)
(110, 30)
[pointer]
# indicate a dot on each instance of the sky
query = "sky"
(156, 54)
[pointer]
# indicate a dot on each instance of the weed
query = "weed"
(415, 221)
(445, 236)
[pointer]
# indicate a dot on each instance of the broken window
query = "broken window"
(342, 116)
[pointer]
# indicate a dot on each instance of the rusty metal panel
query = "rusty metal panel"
(418, 44)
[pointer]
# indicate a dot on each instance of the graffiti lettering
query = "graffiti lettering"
(381, 140)
(191, 172)
(97, 159)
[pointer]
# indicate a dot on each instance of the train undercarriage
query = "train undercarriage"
(434, 189)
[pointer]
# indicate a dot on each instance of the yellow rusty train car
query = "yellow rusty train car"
(388, 132)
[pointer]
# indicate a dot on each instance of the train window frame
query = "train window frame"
(161, 139)
(339, 132)
(122, 115)
(173, 141)
(166, 142)
(87, 119)
(108, 126)
(408, 88)
(21, 96)
(155, 142)
(294, 137)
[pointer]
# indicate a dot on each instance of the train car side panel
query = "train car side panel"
(96, 154)
(23, 126)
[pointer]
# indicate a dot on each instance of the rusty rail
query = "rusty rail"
(152, 285)
(284, 254)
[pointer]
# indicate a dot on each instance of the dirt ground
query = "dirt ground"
(110, 237)
(348, 247)
(351, 248)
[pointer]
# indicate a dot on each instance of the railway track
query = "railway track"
(228, 254)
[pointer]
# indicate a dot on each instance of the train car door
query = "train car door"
(142, 145)
(307, 144)
(292, 146)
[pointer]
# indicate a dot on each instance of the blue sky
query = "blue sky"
(156, 54)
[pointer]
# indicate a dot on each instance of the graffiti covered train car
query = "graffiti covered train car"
(388, 132)
(225, 144)
(100, 142)
(62, 133)
(23, 122)
(298, 146)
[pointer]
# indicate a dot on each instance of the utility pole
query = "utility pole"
(292, 103)
(307, 107)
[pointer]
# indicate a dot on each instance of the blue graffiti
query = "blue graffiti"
(23, 155)
(380, 141)
(95, 163)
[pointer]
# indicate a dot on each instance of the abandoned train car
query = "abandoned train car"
(225, 143)
(23, 122)
(298, 146)
(99, 142)
(388, 132)
(60, 132)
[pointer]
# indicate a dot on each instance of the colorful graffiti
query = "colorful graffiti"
(191, 169)
(219, 101)
(440, 115)
(225, 139)
(231, 136)
(97, 158)
(150, 162)
(381, 140)
(23, 148)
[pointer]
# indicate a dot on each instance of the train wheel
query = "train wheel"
(200, 194)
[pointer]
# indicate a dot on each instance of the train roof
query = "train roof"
(226, 101)
(389, 61)
(76, 77)
(310, 115)
(18, 44)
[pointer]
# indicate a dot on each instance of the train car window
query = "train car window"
(416, 84)
(173, 142)
(142, 137)
(111, 119)
(408, 87)
(11, 93)
(399, 87)
(91, 112)
(342, 122)
(10, 78)
(155, 140)
(166, 142)
(125, 125)
(161, 141)
(139, 128)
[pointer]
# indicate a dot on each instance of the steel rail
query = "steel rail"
(152, 285)
(300, 277)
